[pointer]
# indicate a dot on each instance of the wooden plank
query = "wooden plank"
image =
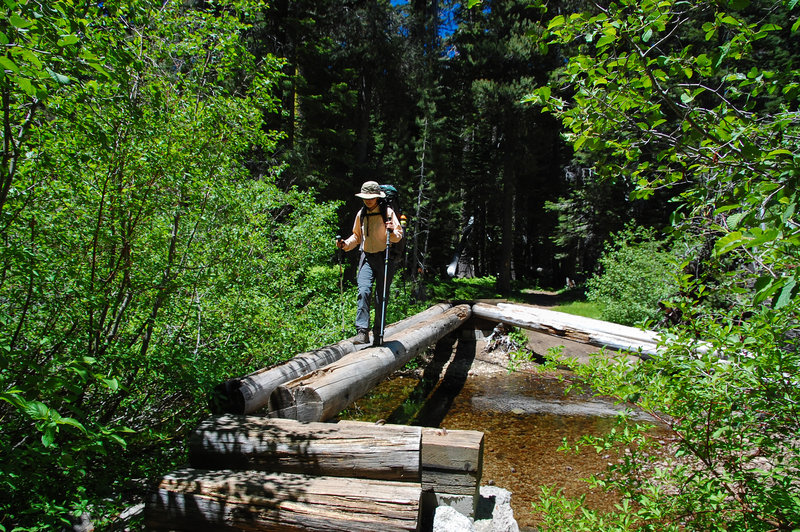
(190, 499)
(251, 393)
(324, 393)
(452, 450)
(388, 452)
(454, 483)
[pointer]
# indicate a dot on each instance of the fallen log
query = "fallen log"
(361, 450)
(324, 393)
(251, 393)
(191, 499)
(576, 328)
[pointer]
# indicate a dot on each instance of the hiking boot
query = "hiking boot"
(362, 337)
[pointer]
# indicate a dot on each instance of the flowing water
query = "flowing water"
(525, 417)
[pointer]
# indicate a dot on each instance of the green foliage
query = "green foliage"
(466, 289)
(637, 273)
(701, 96)
(730, 456)
(518, 349)
(141, 262)
(586, 309)
(707, 108)
(555, 510)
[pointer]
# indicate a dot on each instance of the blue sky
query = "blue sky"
(446, 23)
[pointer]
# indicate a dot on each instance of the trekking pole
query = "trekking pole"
(339, 253)
(385, 283)
(403, 222)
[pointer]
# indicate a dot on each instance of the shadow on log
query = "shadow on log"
(356, 449)
(324, 393)
(251, 393)
(192, 499)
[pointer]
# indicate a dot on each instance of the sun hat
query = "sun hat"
(371, 190)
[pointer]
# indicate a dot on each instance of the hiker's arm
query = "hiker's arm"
(397, 229)
(353, 240)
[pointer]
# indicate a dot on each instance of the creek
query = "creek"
(524, 415)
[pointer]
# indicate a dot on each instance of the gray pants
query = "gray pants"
(371, 270)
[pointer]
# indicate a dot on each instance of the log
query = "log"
(192, 499)
(452, 461)
(576, 328)
(324, 393)
(251, 393)
(452, 450)
(362, 450)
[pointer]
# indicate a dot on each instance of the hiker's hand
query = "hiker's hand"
(390, 226)
(340, 243)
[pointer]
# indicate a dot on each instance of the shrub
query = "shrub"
(637, 273)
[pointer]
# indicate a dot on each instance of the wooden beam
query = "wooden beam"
(361, 450)
(324, 393)
(576, 328)
(192, 499)
(452, 461)
(251, 393)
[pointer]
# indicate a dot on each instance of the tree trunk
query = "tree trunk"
(251, 393)
(507, 239)
(575, 328)
(324, 393)
(356, 449)
(191, 499)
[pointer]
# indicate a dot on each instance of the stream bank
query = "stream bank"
(525, 415)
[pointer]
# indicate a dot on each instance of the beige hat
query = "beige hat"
(370, 190)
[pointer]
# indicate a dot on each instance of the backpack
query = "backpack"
(392, 199)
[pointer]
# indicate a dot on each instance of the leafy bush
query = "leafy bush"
(726, 453)
(141, 262)
(465, 289)
(637, 273)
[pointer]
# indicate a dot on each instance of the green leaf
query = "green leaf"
(67, 40)
(605, 40)
(779, 152)
(788, 292)
(27, 86)
(757, 237)
(73, 423)
(734, 220)
(556, 22)
(726, 208)
(764, 287)
(59, 78)
(8, 64)
(49, 436)
(37, 410)
(19, 22)
(729, 242)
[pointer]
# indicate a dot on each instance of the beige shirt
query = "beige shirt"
(372, 233)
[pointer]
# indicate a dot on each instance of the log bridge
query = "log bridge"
(270, 459)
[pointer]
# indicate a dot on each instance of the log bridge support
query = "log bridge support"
(290, 470)
(257, 473)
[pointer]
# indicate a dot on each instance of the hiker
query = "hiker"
(369, 234)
